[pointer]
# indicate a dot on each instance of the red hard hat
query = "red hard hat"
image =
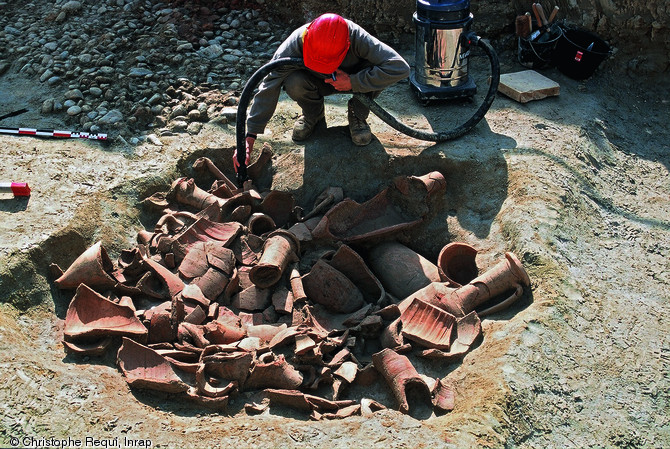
(325, 43)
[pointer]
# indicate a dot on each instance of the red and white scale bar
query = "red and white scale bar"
(16, 188)
(52, 133)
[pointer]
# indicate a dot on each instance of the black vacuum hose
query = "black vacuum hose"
(262, 72)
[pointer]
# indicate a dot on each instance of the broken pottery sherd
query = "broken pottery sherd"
(143, 367)
(205, 230)
(431, 183)
(329, 287)
(297, 287)
(183, 360)
(352, 222)
(427, 325)
(302, 401)
(326, 200)
(85, 347)
(282, 300)
(352, 265)
(227, 363)
(457, 263)
(252, 299)
(169, 279)
(279, 206)
(280, 248)
(273, 371)
(93, 268)
(507, 275)
(185, 191)
(92, 315)
(468, 329)
(221, 332)
(405, 382)
(264, 332)
(443, 396)
(205, 388)
(260, 224)
(192, 333)
(219, 404)
(401, 270)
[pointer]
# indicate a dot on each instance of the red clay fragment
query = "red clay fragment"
(252, 298)
(204, 230)
(352, 265)
(297, 288)
(402, 377)
(468, 328)
(206, 389)
(234, 366)
(265, 332)
(285, 336)
(457, 263)
(195, 263)
(344, 412)
(279, 206)
(443, 396)
(221, 333)
(351, 222)
(168, 278)
(260, 224)
(272, 371)
(212, 283)
(93, 268)
(145, 368)
(184, 360)
(305, 402)
(219, 404)
(204, 163)
(427, 325)
(369, 407)
(329, 287)
(280, 248)
(90, 348)
(401, 270)
(184, 191)
(282, 300)
(196, 316)
(507, 275)
(256, 168)
(430, 184)
(160, 328)
(392, 336)
(193, 334)
(92, 315)
(192, 293)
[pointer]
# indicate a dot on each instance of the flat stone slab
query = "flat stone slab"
(527, 85)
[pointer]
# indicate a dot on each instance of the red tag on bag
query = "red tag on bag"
(578, 56)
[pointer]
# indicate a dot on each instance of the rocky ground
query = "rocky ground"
(576, 185)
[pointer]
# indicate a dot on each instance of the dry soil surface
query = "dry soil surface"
(576, 185)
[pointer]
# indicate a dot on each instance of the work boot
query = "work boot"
(359, 128)
(304, 127)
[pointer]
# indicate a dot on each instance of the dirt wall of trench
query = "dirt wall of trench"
(638, 30)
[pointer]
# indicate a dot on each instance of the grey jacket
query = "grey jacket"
(371, 64)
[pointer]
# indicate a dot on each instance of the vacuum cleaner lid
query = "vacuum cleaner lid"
(443, 10)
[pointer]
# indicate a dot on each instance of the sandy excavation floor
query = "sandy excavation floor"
(577, 186)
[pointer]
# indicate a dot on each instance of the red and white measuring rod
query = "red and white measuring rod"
(17, 188)
(52, 133)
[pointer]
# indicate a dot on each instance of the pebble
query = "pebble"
(73, 110)
(113, 116)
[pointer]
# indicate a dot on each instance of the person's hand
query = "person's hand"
(342, 82)
(249, 141)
